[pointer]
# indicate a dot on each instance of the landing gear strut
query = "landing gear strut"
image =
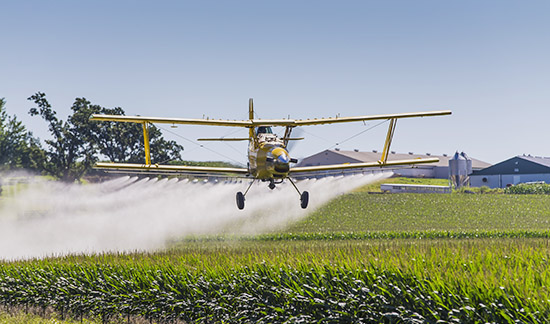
(240, 196)
(304, 196)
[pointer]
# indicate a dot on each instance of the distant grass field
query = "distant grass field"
(375, 187)
(363, 212)
(374, 258)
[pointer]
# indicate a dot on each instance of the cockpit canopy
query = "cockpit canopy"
(265, 135)
(264, 130)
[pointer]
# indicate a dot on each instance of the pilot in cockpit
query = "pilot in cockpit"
(264, 130)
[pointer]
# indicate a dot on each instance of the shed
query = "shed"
(519, 169)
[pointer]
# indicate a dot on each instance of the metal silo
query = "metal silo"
(468, 163)
(460, 167)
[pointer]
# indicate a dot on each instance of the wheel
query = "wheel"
(240, 200)
(304, 199)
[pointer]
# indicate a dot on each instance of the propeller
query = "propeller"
(296, 133)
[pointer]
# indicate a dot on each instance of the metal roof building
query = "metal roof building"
(431, 170)
(519, 169)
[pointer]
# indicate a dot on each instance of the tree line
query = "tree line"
(76, 143)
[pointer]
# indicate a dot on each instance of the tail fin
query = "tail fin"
(251, 116)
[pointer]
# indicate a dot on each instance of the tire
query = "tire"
(304, 199)
(240, 200)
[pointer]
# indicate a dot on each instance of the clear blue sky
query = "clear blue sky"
(488, 61)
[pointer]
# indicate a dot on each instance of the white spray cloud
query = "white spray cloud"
(127, 214)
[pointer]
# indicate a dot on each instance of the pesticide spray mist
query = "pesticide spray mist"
(49, 218)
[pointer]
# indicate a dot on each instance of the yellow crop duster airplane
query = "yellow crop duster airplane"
(268, 158)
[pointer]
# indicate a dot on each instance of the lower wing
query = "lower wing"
(345, 166)
(170, 168)
(243, 171)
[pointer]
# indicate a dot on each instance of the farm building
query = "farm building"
(432, 170)
(519, 169)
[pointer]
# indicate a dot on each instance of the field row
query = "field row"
(338, 236)
(489, 280)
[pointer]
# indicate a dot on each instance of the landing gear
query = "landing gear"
(304, 199)
(304, 196)
(240, 200)
(240, 196)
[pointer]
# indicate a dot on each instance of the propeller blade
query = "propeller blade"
(296, 133)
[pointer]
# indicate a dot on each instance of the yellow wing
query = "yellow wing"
(263, 122)
(162, 120)
(334, 120)
(346, 166)
(170, 168)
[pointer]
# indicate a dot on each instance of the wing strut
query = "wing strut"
(288, 131)
(389, 137)
(146, 144)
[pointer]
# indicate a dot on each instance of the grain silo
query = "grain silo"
(460, 167)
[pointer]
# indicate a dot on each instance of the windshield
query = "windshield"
(264, 130)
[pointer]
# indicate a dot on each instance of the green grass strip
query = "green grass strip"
(371, 235)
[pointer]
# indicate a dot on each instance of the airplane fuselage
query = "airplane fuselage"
(268, 158)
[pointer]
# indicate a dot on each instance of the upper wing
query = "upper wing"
(162, 120)
(334, 120)
(345, 166)
(263, 122)
(177, 168)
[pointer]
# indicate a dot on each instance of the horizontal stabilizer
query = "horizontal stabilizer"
(228, 139)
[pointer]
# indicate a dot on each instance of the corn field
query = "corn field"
(361, 258)
(413, 281)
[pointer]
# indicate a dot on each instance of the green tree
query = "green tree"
(116, 141)
(68, 155)
(121, 142)
(18, 148)
(79, 142)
